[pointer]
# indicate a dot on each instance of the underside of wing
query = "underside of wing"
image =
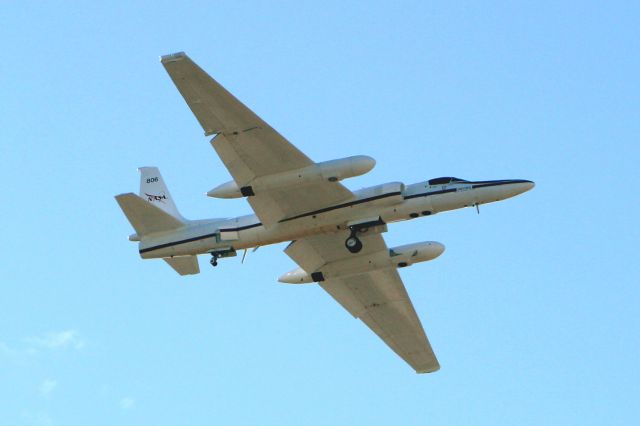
(217, 110)
(255, 154)
(377, 296)
(380, 300)
(248, 146)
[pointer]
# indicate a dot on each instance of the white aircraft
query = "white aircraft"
(335, 233)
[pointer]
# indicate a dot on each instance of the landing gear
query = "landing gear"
(221, 253)
(353, 243)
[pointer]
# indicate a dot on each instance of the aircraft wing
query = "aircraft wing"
(377, 297)
(247, 145)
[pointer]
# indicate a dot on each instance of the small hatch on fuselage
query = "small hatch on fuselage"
(445, 180)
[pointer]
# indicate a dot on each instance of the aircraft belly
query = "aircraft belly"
(494, 193)
(375, 208)
(158, 252)
(421, 206)
(286, 232)
(452, 200)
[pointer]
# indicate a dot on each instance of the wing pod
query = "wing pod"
(409, 254)
(397, 257)
(226, 190)
(332, 171)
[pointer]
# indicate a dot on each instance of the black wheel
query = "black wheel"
(214, 261)
(353, 244)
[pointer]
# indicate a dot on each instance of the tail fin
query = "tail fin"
(145, 217)
(154, 190)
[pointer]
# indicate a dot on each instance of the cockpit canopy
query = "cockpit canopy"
(445, 180)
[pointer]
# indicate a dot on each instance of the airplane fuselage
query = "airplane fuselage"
(374, 206)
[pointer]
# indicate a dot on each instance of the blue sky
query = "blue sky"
(532, 310)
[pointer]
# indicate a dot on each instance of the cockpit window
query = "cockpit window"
(445, 180)
(439, 181)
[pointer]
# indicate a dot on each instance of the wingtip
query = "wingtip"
(172, 57)
(124, 195)
(431, 369)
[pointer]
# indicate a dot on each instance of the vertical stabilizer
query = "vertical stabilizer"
(154, 190)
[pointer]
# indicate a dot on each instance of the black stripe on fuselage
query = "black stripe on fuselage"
(497, 183)
(474, 185)
(253, 225)
(343, 205)
(426, 194)
(240, 228)
(201, 237)
(175, 243)
(481, 184)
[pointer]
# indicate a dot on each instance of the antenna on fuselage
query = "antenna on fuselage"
(245, 253)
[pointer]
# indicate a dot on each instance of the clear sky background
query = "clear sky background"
(532, 310)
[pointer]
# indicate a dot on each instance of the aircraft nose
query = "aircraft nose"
(524, 185)
(513, 187)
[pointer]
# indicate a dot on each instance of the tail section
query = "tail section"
(154, 190)
(145, 217)
(154, 210)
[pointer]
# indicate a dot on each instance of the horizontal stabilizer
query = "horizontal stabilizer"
(184, 265)
(145, 217)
